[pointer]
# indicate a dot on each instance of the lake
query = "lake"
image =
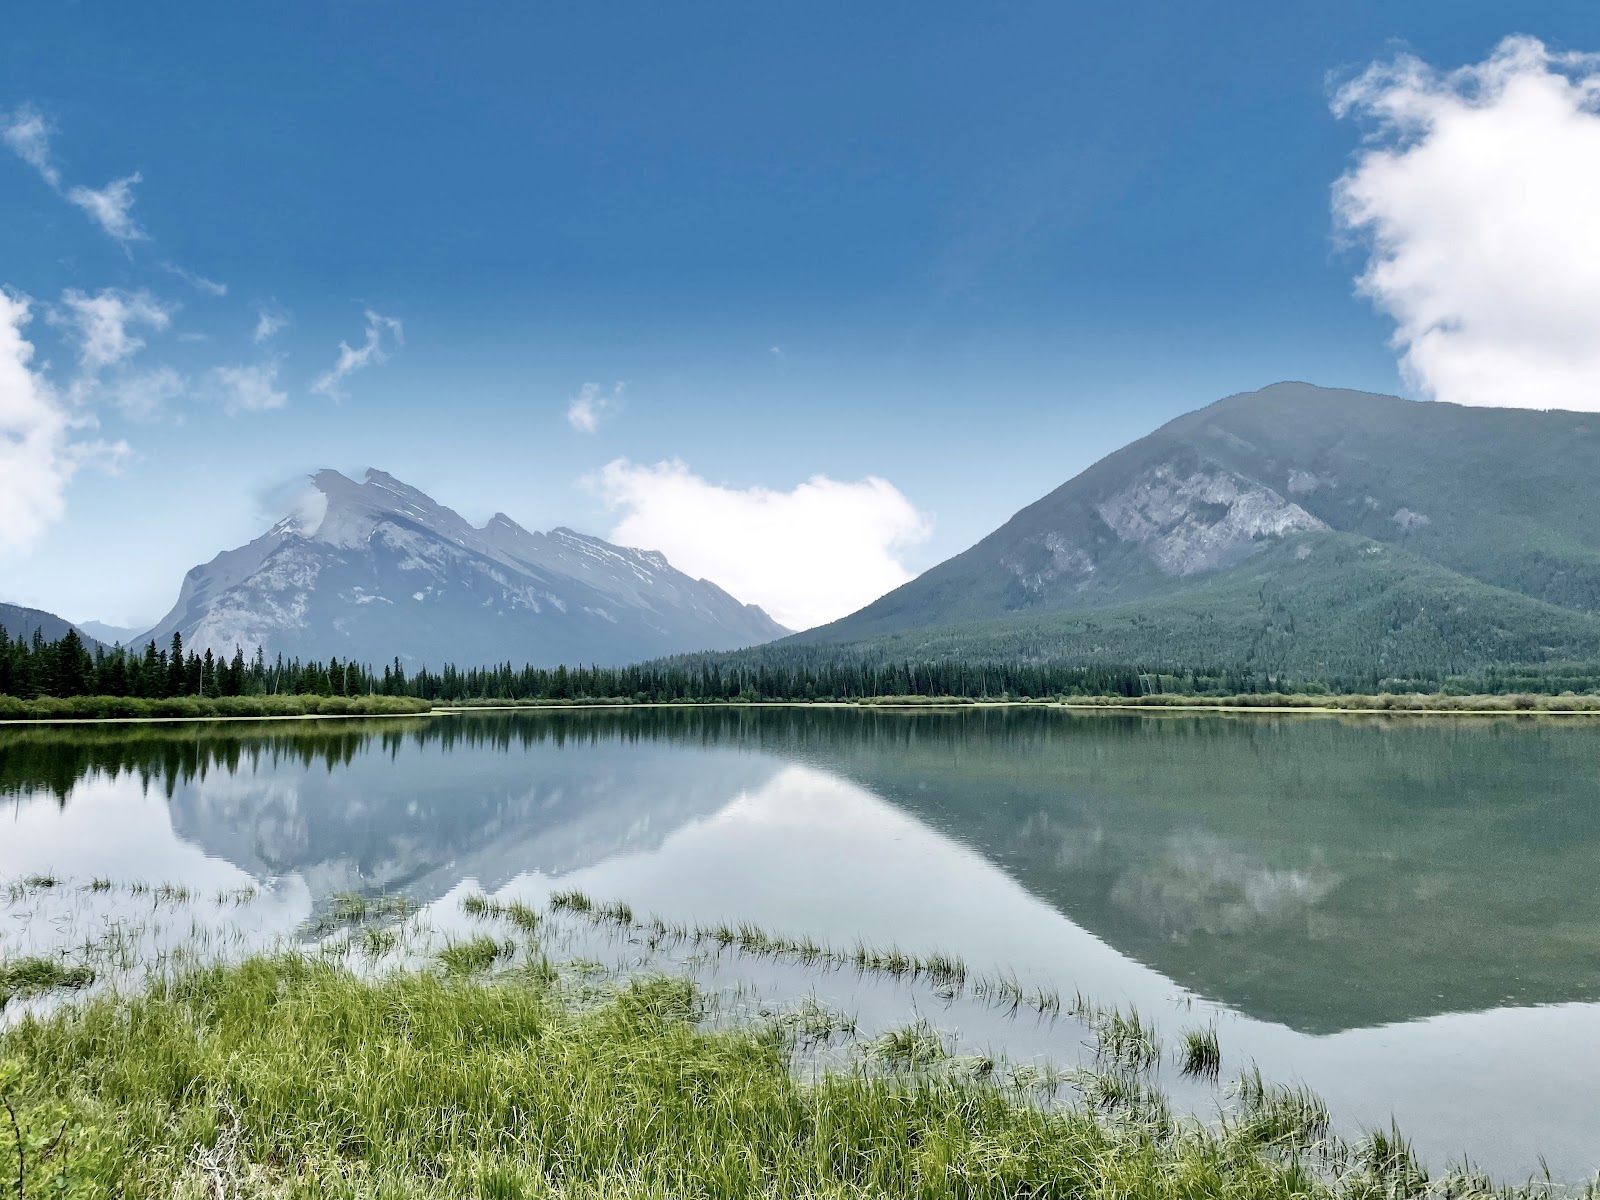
(1401, 913)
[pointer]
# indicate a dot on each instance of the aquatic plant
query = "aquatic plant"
(1273, 1115)
(571, 901)
(376, 941)
(915, 1045)
(1124, 1041)
(31, 975)
(474, 955)
(812, 1021)
(1201, 1053)
(522, 915)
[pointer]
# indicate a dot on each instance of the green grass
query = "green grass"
(90, 708)
(22, 977)
(291, 1077)
(1201, 1055)
(474, 955)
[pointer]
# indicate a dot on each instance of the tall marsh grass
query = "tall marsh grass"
(290, 1076)
(474, 1067)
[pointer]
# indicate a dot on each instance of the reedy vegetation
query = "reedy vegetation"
(486, 1075)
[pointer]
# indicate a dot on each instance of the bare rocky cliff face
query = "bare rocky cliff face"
(1182, 518)
(376, 570)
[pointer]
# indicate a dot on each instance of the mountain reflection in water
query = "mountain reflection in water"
(1317, 872)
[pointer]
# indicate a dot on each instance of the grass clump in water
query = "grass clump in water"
(522, 915)
(1278, 1117)
(917, 1045)
(474, 955)
(32, 975)
(571, 901)
(1202, 1055)
(376, 941)
(1124, 1041)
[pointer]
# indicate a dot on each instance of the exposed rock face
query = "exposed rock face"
(1203, 520)
(377, 569)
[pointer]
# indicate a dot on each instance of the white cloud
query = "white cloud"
(36, 459)
(111, 207)
(380, 329)
(27, 133)
(1476, 196)
(145, 396)
(252, 388)
(102, 323)
(268, 326)
(807, 556)
(585, 410)
(199, 283)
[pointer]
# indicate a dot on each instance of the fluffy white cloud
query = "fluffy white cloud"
(252, 388)
(1476, 194)
(589, 405)
(35, 458)
(103, 322)
(382, 332)
(27, 133)
(807, 556)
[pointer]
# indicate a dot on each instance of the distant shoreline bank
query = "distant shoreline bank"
(1399, 705)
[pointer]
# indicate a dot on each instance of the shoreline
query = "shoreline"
(7, 722)
(956, 704)
(939, 705)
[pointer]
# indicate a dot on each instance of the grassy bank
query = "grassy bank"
(1437, 702)
(290, 1076)
(102, 708)
(125, 708)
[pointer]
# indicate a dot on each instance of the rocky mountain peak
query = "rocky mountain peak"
(376, 568)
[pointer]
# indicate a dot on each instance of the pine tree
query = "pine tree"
(175, 671)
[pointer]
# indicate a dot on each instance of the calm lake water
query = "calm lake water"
(1402, 913)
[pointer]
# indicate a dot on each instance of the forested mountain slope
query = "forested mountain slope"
(1295, 528)
(20, 623)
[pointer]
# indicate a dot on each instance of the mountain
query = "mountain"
(111, 635)
(19, 623)
(1296, 528)
(376, 569)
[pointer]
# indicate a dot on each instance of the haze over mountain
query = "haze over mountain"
(376, 569)
(1295, 528)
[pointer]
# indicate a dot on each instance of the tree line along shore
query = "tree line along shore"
(65, 680)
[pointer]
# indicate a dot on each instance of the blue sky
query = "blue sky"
(966, 250)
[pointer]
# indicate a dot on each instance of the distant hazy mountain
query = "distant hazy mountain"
(111, 635)
(19, 622)
(377, 569)
(1296, 528)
